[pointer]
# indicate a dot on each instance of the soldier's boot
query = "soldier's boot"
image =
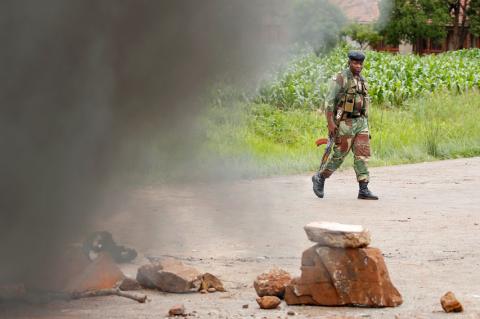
(318, 183)
(364, 192)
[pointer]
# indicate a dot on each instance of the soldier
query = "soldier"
(347, 118)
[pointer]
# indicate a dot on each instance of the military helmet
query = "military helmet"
(356, 55)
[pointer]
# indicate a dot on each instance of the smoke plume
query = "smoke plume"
(85, 84)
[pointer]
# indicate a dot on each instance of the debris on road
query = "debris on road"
(333, 276)
(272, 283)
(450, 303)
(268, 302)
(129, 284)
(107, 292)
(102, 241)
(169, 275)
(338, 235)
(177, 310)
(211, 283)
(102, 273)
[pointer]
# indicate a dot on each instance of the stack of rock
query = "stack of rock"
(341, 270)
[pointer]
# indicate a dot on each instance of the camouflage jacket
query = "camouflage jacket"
(339, 91)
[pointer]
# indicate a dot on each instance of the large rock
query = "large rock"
(341, 277)
(169, 275)
(338, 235)
(272, 283)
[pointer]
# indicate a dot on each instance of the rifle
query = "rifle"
(330, 141)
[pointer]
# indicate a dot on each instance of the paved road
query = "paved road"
(427, 223)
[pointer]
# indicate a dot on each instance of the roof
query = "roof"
(361, 11)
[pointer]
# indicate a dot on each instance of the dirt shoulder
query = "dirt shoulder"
(427, 223)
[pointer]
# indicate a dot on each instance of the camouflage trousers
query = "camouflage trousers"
(352, 135)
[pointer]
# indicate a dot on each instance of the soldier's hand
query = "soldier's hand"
(332, 128)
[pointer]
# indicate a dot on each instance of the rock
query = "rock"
(291, 313)
(338, 235)
(210, 282)
(203, 291)
(169, 275)
(341, 277)
(102, 273)
(268, 302)
(272, 283)
(129, 284)
(245, 306)
(450, 303)
(177, 310)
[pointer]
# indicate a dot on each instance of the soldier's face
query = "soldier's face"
(356, 66)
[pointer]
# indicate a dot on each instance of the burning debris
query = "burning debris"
(102, 241)
(75, 274)
(450, 303)
(336, 276)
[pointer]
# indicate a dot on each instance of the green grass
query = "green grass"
(260, 139)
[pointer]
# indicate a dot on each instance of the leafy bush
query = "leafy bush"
(263, 139)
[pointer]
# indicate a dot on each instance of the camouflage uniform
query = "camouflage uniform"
(353, 127)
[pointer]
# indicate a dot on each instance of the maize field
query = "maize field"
(392, 78)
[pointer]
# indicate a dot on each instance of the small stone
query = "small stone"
(291, 313)
(450, 303)
(268, 302)
(272, 283)
(245, 306)
(177, 310)
(211, 281)
(338, 235)
(129, 284)
(203, 291)
(211, 289)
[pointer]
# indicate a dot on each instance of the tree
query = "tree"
(474, 14)
(363, 34)
(410, 21)
(317, 23)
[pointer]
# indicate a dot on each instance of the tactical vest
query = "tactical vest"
(351, 97)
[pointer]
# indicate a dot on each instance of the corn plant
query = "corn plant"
(392, 78)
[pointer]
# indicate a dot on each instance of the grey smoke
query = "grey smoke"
(85, 85)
